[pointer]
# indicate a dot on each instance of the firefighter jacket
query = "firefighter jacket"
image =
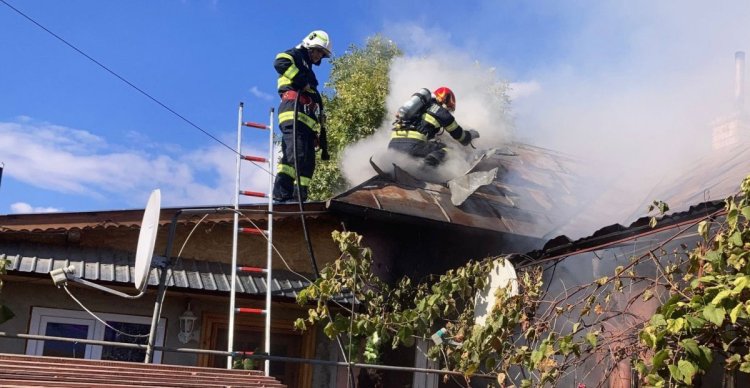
(296, 76)
(432, 120)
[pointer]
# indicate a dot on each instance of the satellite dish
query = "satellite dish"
(503, 275)
(147, 239)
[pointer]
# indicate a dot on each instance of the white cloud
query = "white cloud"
(260, 94)
(25, 208)
(71, 161)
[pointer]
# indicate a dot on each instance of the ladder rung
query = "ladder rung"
(252, 269)
(254, 158)
(251, 231)
(255, 125)
(248, 310)
(253, 194)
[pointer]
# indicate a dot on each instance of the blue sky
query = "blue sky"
(73, 137)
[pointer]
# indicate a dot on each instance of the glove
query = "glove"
(471, 135)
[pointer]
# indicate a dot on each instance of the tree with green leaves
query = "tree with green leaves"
(355, 109)
(5, 313)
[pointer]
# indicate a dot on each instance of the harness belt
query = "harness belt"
(291, 95)
(407, 134)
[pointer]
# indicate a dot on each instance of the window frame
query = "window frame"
(40, 316)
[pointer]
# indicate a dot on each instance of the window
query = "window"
(79, 324)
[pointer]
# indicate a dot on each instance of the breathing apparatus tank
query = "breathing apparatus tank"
(414, 105)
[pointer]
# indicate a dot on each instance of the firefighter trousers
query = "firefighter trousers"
(431, 152)
(288, 180)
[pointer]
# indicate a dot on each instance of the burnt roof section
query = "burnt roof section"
(527, 197)
(48, 222)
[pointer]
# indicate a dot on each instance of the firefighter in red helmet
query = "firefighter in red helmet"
(420, 119)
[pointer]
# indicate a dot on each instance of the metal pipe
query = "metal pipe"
(238, 354)
(739, 79)
(233, 279)
(161, 294)
(269, 254)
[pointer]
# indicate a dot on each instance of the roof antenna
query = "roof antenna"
(143, 255)
(143, 260)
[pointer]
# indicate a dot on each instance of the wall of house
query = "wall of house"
(213, 242)
(416, 249)
(579, 269)
(22, 294)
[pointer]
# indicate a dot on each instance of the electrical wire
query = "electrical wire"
(99, 319)
(121, 78)
(171, 278)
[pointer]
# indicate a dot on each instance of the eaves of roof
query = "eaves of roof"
(117, 267)
(55, 222)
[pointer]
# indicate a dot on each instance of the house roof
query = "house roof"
(50, 222)
(525, 198)
(616, 233)
(117, 267)
(713, 176)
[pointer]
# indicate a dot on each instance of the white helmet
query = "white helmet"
(318, 39)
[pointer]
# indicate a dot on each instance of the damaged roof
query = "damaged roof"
(525, 196)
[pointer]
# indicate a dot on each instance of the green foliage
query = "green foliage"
(244, 364)
(709, 315)
(5, 312)
(662, 209)
(397, 315)
(359, 81)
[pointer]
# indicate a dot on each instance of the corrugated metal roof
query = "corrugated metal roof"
(531, 189)
(118, 267)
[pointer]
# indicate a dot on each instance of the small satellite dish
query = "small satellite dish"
(147, 239)
(503, 275)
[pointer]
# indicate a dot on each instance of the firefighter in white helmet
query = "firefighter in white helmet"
(298, 87)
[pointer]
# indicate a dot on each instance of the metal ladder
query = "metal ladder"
(237, 230)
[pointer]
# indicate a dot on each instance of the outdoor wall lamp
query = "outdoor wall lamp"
(187, 326)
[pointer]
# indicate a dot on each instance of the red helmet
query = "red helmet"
(445, 96)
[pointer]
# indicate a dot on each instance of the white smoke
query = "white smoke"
(630, 90)
(481, 105)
